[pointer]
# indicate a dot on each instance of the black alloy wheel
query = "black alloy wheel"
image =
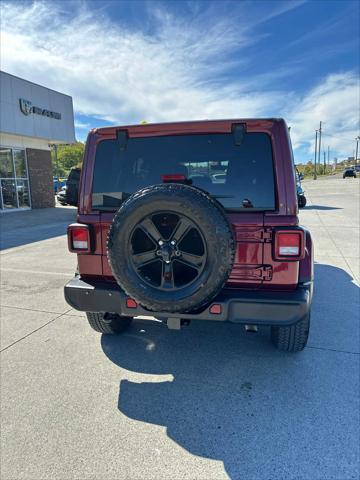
(167, 250)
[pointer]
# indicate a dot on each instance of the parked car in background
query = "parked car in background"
(61, 196)
(69, 193)
(357, 169)
(72, 186)
(299, 190)
(349, 172)
(59, 183)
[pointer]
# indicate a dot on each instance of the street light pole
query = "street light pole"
(315, 176)
(357, 148)
(320, 144)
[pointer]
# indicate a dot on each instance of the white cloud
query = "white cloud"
(336, 102)
(82, 125)
(177, 73)
(125, 76)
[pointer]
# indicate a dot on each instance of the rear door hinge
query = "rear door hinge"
(266, 272)
(267, 235)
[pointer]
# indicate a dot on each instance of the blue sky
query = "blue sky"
(126, 61)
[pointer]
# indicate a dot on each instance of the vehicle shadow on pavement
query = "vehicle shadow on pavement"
(234, 398)
(321, 207)
(31, 226)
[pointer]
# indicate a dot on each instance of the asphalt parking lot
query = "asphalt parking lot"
(206, 402)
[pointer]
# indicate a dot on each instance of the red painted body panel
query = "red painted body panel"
(90, 265)
(254, 266)
(284, 274)
(306, 267)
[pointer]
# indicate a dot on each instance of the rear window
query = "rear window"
(239, 177)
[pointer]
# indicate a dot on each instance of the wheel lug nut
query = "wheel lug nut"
(158, 252)
(172, 242)
(161, 242)
(177, 253)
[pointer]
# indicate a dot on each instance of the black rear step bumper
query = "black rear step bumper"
(249, 307)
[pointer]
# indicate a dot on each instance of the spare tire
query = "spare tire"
(171, 248)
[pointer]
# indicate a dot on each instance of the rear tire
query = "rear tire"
(108, 323)
(292, 338)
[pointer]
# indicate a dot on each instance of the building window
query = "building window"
(14, 179)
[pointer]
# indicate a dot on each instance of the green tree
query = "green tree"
(307, 170)
(68, 156)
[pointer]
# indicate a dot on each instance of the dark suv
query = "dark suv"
(72, 186)
(192, 221)
(349, 172)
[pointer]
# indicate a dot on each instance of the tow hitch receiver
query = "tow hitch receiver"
(176, 323)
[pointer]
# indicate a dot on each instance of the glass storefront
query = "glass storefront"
(14, 179)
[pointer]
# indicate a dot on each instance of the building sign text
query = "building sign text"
(27, 107)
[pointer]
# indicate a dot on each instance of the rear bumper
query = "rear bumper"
(251, 307)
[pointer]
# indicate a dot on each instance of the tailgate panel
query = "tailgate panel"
(253, 264)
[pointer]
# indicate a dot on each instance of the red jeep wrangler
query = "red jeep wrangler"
(192, 221)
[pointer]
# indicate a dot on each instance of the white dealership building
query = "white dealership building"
(32, 119)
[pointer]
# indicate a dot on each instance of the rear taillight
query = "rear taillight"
(289, 245)
(79, 238)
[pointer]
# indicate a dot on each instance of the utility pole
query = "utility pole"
(328, 156)
(357, 149)
(315, 175)
(324, 162)
(319, 144)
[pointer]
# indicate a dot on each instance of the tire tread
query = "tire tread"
(116, 326)
(292, 338)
